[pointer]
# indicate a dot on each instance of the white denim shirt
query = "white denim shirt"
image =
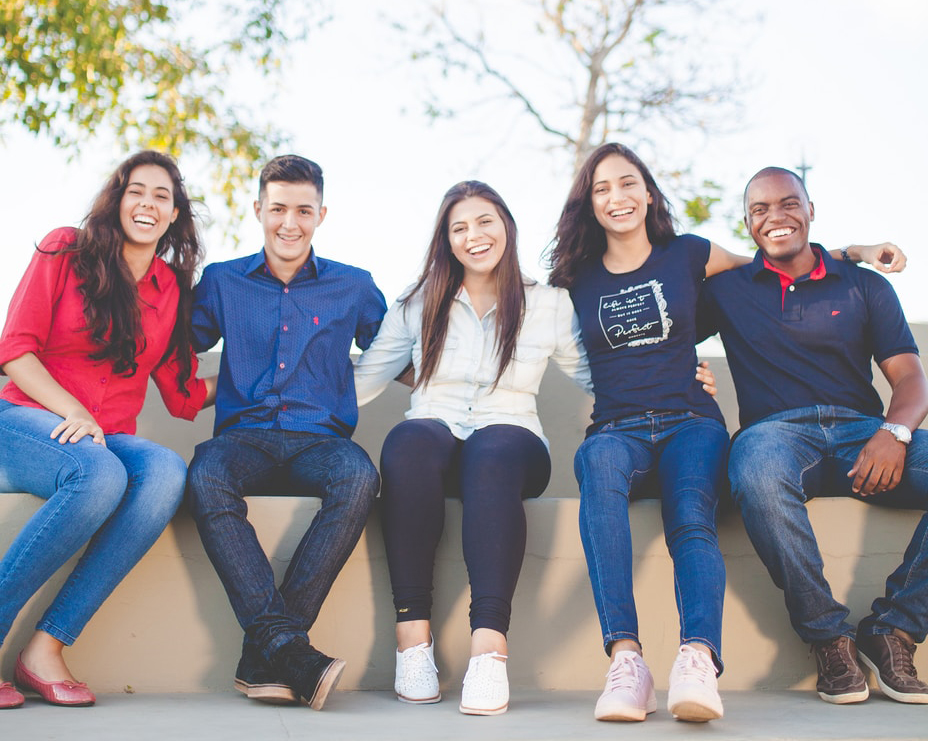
(461, 393)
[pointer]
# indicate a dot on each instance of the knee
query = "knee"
(99, 480)
(598, 466)
(354, 478)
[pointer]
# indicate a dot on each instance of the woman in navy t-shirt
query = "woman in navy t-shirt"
(634, 284)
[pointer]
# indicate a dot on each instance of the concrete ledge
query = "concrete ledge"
(168, 626)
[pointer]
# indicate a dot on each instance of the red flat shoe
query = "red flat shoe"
(10, 697)
(56, 693)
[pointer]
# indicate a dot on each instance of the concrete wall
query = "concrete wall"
(168, 626)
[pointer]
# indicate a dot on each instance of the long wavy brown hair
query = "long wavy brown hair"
(442, 276)
(111, 300)
(580, 238)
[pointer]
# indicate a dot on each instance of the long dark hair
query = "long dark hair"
(442, 276)
(580, 238)
(111, 301)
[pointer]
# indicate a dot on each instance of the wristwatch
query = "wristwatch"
(900, 432)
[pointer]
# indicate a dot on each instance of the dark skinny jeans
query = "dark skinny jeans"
(492, 472)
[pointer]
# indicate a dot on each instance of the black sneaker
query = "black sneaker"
(840, 678)
(309, 672)
(889, 657)
(257, 680)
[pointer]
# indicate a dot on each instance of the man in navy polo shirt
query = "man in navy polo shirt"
(800, 329)
(285, 411)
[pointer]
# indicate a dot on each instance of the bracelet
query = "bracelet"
(844, 256)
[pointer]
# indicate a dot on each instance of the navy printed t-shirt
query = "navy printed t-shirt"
(639, 330)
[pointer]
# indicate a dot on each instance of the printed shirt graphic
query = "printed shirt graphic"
(639, 329)
(636, 315)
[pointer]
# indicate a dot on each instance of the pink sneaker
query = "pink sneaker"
(629, 692)
(694, 688)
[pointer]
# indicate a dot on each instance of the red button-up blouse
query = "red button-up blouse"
(46, 317)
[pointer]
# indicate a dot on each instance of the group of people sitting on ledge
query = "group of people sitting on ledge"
(103, 307)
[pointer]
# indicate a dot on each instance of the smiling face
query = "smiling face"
(619, 196)
(477, 235)
(778, 213)
(289, 214)
(146, 208)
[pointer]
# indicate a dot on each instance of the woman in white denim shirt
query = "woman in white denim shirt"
(472, 430)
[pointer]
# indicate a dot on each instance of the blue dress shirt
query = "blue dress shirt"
(285, 358)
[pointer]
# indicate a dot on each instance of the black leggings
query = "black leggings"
(492, 472)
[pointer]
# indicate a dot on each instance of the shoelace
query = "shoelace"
(693, 666)
(836, 664)
(418, 660)
(483, 676)
(623, 675)
(903, 654)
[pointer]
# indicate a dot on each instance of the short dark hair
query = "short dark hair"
(290, 168)
(772, 171)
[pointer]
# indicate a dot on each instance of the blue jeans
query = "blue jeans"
(242, 462)
(687, 452)
(119, 498)
(786, 459)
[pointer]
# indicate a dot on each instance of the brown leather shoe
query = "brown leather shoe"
(889, 657)
(840, 678)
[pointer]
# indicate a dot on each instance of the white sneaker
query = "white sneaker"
(416, 675)
(629, 692)
(486, 686)
(694, 688)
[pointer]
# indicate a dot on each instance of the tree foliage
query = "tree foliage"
(154, 73)
(600, 70)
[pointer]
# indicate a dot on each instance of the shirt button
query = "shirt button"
(792, 288)
(283, 365)
(95, 408)
(286, 328)
(284, 408)
(286, 290)
(102, 380)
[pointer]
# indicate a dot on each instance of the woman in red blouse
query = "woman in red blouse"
(99, 310)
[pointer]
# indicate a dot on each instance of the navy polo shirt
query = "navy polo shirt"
(285, 356)
(806, 343)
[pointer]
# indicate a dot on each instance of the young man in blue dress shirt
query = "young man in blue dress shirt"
(800, 330)
(285, 412)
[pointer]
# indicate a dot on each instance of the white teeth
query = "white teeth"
(785, 232)
(478, 250)
(146, 220)
(621, 212)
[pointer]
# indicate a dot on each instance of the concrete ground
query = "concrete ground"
(534, 715)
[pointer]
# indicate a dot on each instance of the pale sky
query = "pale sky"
(840, 82)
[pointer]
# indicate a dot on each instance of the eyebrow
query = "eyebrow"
(143, 185)
(287, 205)
(459, 221)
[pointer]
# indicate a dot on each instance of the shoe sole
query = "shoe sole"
(483, 711)
(628, 713)
(327, 683)
(419, 701)
(271, 693)
(847, 698)
(910, 699)
(694, 712)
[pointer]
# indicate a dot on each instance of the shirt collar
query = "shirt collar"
(825, 265)
(258, 263)
(159, 274)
